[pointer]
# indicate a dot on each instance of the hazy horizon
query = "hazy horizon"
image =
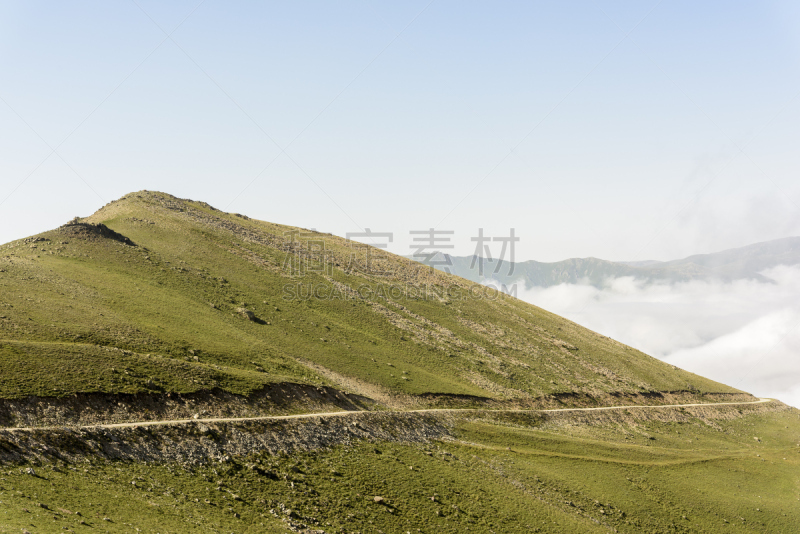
(611, 130)
(742, 333)
(640, 131)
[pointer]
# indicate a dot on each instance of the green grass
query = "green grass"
(58, 369)
(513, 475)
(174, 297)
(83, 313)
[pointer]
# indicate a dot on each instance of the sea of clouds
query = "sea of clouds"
(743, 333)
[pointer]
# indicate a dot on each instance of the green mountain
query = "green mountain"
(734, 264)
(167, 367)
(154, 293)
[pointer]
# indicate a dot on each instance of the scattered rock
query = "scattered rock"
(564, 344)
(247, 314)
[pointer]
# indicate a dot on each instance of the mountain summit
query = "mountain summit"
(170, 367)
(156, 294)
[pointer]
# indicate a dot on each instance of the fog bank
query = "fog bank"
(742, 333)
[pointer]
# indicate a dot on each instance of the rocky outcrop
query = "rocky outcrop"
(201, 442)
(83, 230)
(194, 442)
(98, 408)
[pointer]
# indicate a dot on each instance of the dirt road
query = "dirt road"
(347, 413)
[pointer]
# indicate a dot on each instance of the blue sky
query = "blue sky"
(622, 130)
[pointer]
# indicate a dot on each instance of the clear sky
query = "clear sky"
(622, 130)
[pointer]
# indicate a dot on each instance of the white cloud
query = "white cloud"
(761, 357)
(743, 333)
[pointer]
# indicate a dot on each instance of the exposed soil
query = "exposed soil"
(580, 400)
(97, 408)
(201, 442)
(193, 442)
(287, 398)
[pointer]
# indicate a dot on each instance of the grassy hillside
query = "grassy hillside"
(685, 476)
(154, 293)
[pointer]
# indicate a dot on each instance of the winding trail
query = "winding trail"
(346, 413)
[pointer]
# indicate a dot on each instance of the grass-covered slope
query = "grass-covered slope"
(155, 293)
(684, 476)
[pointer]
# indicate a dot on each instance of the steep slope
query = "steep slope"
(157, 308)
(162, 295)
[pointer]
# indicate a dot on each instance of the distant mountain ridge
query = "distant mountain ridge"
(733, 264)
(135, 340)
